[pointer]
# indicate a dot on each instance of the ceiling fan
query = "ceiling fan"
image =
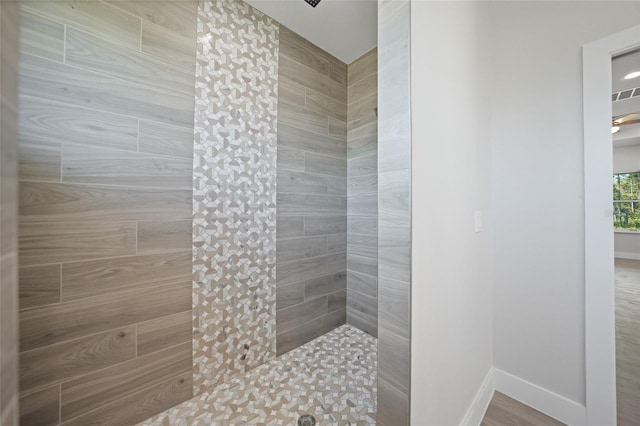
(624, 120)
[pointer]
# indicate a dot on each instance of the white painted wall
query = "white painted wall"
(451, 315)
(626, 159)
(538, 186)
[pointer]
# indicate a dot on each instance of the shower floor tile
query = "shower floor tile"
(333, 378)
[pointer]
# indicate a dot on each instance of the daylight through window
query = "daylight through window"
(626, 201)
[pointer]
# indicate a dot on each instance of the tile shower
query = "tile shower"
(198, 190)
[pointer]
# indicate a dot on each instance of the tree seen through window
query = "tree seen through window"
(626, 201)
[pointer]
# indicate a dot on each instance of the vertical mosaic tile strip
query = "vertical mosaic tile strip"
(332, 378)
(234, 199)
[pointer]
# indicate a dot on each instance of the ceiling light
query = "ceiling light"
(615, 129)
(632, 75)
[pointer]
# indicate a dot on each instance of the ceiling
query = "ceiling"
(621, 66)
(345, 28)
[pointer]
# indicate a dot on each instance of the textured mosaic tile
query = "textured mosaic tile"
(234, 199)
(333, 378)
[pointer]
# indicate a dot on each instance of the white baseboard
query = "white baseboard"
(480, 402)
(543, 400)
(623, 255)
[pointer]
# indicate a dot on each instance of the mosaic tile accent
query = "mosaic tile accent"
(332, 378)
(234, 199)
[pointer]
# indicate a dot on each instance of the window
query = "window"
(626, 201)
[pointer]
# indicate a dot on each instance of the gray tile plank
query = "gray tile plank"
(40, 36)
(312, 79)
(302, 204)
(338, 128)
(338, 73)
(289, 295)
(363, 140)
(58, 202)
(310, 183)
(168, 45)
(394, 305)
(164, 332)
(290, 227)
(47, 325)
(165, 139)
(86, 393)
(296, 48)
(324, 225)
(290, 159)
(325, 285)
(363, 322)
(321, 164)
(393, 404)
(362, 225)
(141, 405)
(307, 269)
(395, 252)
(365, 87)
(362, 184)
(363, 165)
(362, 112)
(293, 137)
(302, 118)
(363, 66)
(393, 198)
(291, 92)
(393, 358)
(309, 310)
(39, 285)
(42, 243)
(363, 245)
(363, 204)
(177, 16)
(362, 264)
(366, 304)
(39, 160)
(337, 243)
(362, 283)
(336, 64)
(96, 277)
(58, 122)
(95, 17)
(56, 363)
(337, 301)
(83, 164)
(164, 236)
(322, 104)
(306, 332)
(62, 83)
(300, 248)
(40, 408)
(87, 51)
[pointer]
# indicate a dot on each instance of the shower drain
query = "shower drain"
(307, 420)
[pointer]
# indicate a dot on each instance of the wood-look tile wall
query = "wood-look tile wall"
(105, 205)
(311, 192)
(362, 194)
(394, 214)
(9, 16)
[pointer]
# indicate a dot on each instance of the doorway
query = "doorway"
(599, 236)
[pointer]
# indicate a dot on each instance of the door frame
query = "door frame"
(600, 356)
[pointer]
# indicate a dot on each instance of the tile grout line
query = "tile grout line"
(64, 43)
(60, 403)
(60, 295)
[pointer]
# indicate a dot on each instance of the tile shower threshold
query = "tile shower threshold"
(332, 378)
